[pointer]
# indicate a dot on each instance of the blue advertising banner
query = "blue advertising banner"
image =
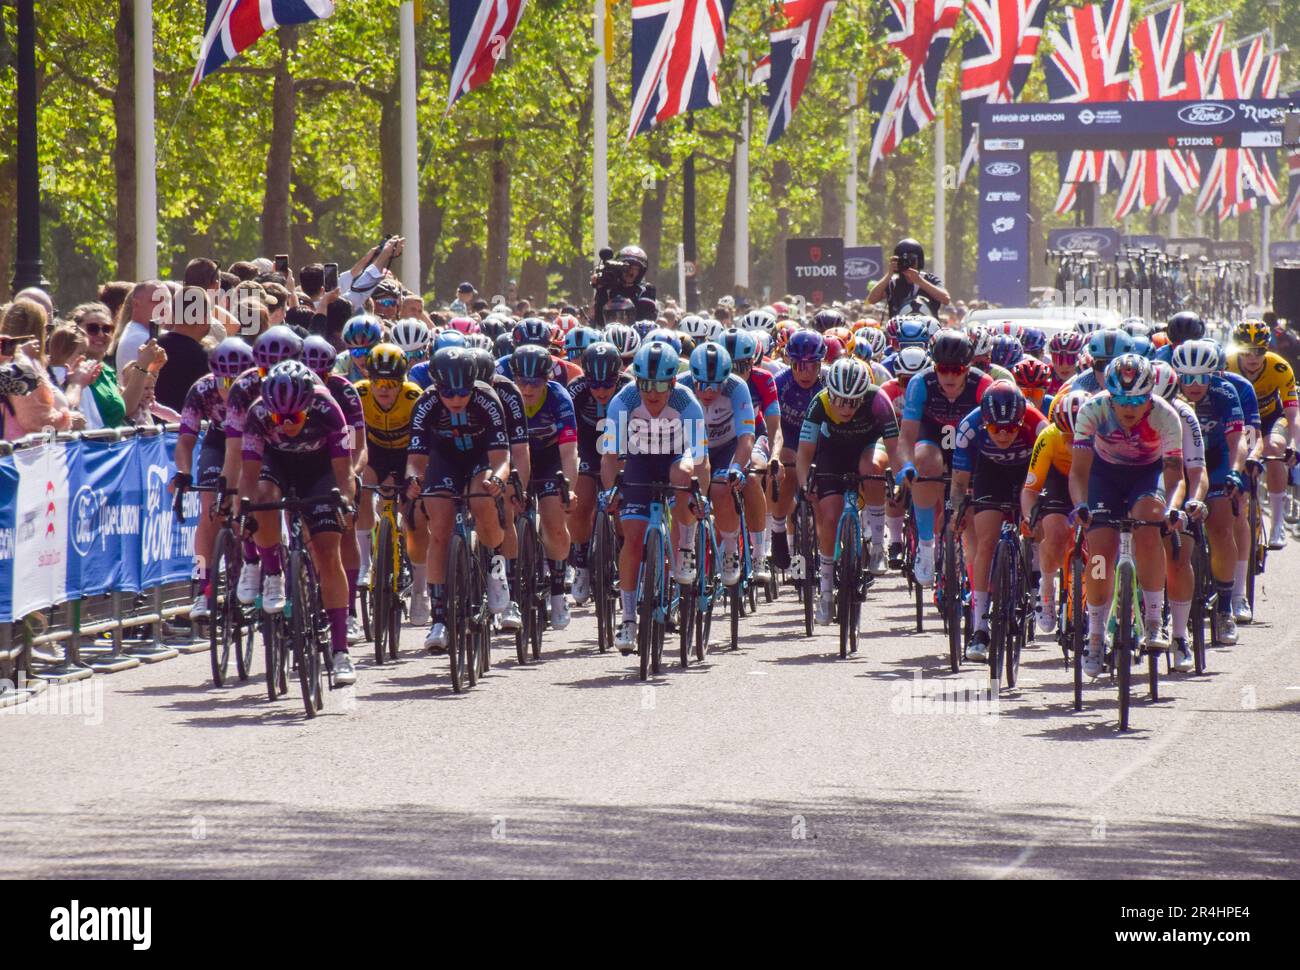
(104, 519)
(167, 545)
(8, 524)
(1286, 249)
(1104, 242)
(1143, 242)
(863, 265)
(1004, 227)
(180, 564)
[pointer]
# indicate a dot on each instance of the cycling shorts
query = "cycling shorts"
(1113, 490)
(544, 478)
(994, 484)
(720, 459)
(452, 471)
(634, 500)
(1056, 494)
(212, 456)
(832, 465)
(309, 476)
(386, 461)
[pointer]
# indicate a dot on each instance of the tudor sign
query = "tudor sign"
(815, 268)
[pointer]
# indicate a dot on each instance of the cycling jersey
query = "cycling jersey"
(480, 427)
(1051, 453)
(1193, 442)
(1246, 395)
(731, 414)
(794, 402)
(1158, 434)
(924, 401)
(246, 389)
(349, 402)
(590, 414)
(677, 430)
(551, 421)
(762, 390)
(203, 403)
(895, 392)
(1274, 385)
(774, 367)
(975, 445)
(1219, 414)
(839, 444)
(324, 432)
(389, 428)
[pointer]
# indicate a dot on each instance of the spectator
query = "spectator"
(387, 296)
(187, 359)
(357, 282)
(142, 310)
(277, 301)
(113, 295)
(40, 296)
(312, 280)
(65, 350)
(206, 274)
(23, 329)
(464, 298)
(337, 314)
(104, 406)
(244, 270)
(15, 382)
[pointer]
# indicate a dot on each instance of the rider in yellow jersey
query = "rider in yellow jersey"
(1274, 383)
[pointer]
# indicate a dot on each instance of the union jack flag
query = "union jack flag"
(920, 30)
(233, 26)
(790, 63)
(1199, 72)
(996, 61)
(1292, 215)
(1090, 63)
(1152, 175)
(480, 31)
(676, 47)
(1237, 177)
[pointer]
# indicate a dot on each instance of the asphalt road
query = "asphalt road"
(776, 760)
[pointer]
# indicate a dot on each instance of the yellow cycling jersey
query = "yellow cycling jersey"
(389, 428)
(1051, 450)
(1274, 384)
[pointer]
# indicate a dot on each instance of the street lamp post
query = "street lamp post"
(27, 261)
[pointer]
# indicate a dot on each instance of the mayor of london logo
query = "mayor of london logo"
(1086, 116)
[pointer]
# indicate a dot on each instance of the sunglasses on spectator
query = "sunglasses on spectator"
(951, 370)
(448, 393)
(992, 428)
(98, 329)
(1130, 400)
(1194, 378)
(845, 403)
(297, 417)
(657, 387)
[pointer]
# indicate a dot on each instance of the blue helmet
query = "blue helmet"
(666, 335)
(740, 344)
(1106, 345)
(1142, 346)
(913, 333)
(1007, 351)
(531, 363)
(1033, 340)
(710, 364)
(805, 345)
(448, 338)
(643, 328)
(578, 340)
(655, 361)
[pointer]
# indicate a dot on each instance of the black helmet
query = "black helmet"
(913, 249)
(826, 318)
(505, 345)
(601, 362)
(531, 363)
(952, 347)
(635, 255)
(452, 369)
(620, 305)
(485, 365)
(1185, 325)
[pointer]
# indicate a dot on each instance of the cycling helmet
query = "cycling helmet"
(849, 378)
(277, 344)
(913, 332)
(232, 357)
(912, 248)
(784, 331)
(1002, 403)
(386, 363)
(834, 349)
(494, 325)
(1006, 351)
(453, 369)
(533, 330)
(479, 340)
(448, 338)
(756, 320)
(655, 361)
(530, 362)
(715, 330)
(1251, 333)
(413, 337)
(289, 387)
(1106, 345)
(1065, 342)
(1032, 341)
(826, 318)
(910, 362)
(710, 364)
(624, 338)
(503, 346)
(693, 325)
(1088, 325)
(642, 328)
(1129, 375)
(1142, 346)
(1011, 328)
(601, 362)
(1135, 327)
(932, 326)
(1185, 325)
(465, 325)
(875, 338)
(318, 354)
(862, 351)
(740, 344)
(484, 364)
(891, 331)
(577, 340)
(1166, 380)
(843, 334)
(952, 348)
(1066, 410)
(805, 345)
(982, 338)
(1196, 357)
(360, 333)
(564, 324)
(620, 306)
(688, 345)
(1032, 374)
(665, 335)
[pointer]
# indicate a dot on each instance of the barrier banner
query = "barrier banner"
(40, 569)
(167, 545)
(1099, 239)
(104, 520)
(8, 519)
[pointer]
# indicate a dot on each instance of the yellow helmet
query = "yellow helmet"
(387, 362)
(1251, 333)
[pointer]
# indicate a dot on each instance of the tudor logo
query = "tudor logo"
(1002, 168)
(1086, 116)
(1206, 114)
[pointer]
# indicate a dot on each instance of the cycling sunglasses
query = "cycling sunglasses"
(530, 381)
(386, 302)
(655, 386)
(741, 364)
(1194, 378)
(951, 370)
(359, 353)
(447, 393)
(1130, 400)
(804, 363)
(708, 385)
(603, 385)
(992, 428)
(1253, 351)
(1065, 357)
(297, 417)
(846, 403)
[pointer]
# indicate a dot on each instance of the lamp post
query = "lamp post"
(27, 249)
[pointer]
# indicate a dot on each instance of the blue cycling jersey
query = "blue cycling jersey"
(1246, 395)
(794, 402)
(551, 422)
(1219, 414)
(731, 414)
(677, 430)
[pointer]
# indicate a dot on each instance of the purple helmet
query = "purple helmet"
(319, 354)
(277, 344)
(1033, 340)
(805, 345)
(230, 358)
(289, 387)
(1006, 351)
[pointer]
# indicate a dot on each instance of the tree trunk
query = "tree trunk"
(832, 193)
(497, 264)
(533, 284)
(390, 164)
(578, 267)
(279, 158)
(722, 274)
(653, 201)
(780, 188)
(124, 141)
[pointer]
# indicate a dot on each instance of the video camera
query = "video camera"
(609, 274)
(908, 261)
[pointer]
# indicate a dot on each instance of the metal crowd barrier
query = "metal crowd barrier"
(77, 639)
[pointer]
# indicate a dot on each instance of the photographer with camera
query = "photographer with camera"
(622, 278)
(907, 284)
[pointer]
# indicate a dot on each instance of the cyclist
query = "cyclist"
(839, 435)
(1275, 390)
(602, 378)
(935, 403)
(1064, 350)
(458, 444)
(795, 390)
(1128, 455)
(206, 401)
(657, 431)
(1253, 444)
(729, 417)
(1183, 326)
(414, 338)
(360, 333)
(909, 362)
(295, 439)
(553, 448)
(991, 458)
(1103, 347)
(743, 349)
(1033, 378)
(982, 338)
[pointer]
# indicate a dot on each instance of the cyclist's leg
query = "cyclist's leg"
(983, 542)
(439, 513)
(893, 507)
(324, 534)
(1053, 547)
(873, 501)
(685, 521)
(1223, 546)
(756, 504)
(785, 495)
(1275, 474)
(555, 533)
(926, 496)
(365, 521)
(1149, 552)
(582, 520)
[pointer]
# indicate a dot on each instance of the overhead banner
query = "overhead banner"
(1004, 228)
(1104, 242)
(863, 265)
(814, 268)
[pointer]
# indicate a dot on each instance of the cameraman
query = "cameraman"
(906, 283)
(622, 277)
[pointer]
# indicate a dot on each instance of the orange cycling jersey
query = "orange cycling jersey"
(1051, 450)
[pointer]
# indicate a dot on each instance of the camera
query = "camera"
(907, 261)
(609, 274)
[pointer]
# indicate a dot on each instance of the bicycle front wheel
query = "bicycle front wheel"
(459, 609)
(847, 577)
(1078, 636)
(604, 574)
(306, 653)
(381, 589)
(652, 570)
(222, 633)
(1123, 651)
(1001, 591)
(951, 603)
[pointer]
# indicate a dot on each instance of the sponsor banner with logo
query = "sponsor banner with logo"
(814, 268)
(1004, 228)
(863, 265)
(1232, 249)
(167, 545)
(1285, 249)
(8, 532)
(1143, 242)
(1189, 246)
(40, 577)
(104, 519)
(1104, 242)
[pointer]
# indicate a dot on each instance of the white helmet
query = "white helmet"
(693, 325)
(911, 361)
(875, 338)
(1196, 357)
(982, 338)
(413, 336)
(849, 378)
(1166, 379)
(757, 320)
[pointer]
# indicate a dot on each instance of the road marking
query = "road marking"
(757, 673)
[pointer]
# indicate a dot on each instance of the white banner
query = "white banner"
(41, 546)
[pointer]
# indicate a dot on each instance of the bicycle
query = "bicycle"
(391, 576)
(803, 564)
(230, 623)
(1127, 620)
(851, 577)
(529, 568)
(604, 574)
(299, 628)
(742, 591)
(1011, 596)
(695, 614)
(1072, 625)
(1205, 596)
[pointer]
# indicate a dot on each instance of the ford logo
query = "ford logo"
(1002, 168)
(860, 268)
(1206, 114)
(1084, 240)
